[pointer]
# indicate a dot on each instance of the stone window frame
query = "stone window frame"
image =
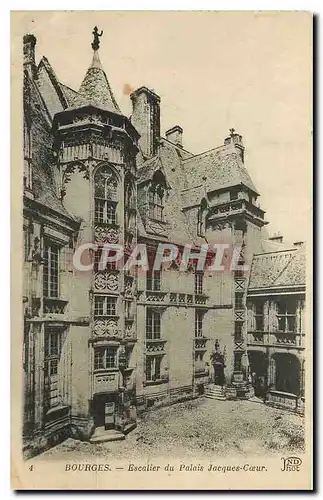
(153, 280)
(105, 305)
(106, 199)
(53, 340)
(51, 269)
(198, 282)
(153, 324)
(198, 323)
(105, 358)
(153, 368)
(286, 317)
(156, 197)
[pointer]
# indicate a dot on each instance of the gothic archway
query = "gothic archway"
(288, 373)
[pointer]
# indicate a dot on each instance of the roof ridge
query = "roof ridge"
(219, 148)
(53, 78)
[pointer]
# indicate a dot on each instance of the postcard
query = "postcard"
(161, 250)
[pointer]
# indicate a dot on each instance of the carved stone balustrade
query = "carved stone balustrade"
(106, 280)
(200, 343)
(155, 346)
(106, 327)
(54, 306)
(106, 233)
(171, 298)
(106, 381)
(276, 339)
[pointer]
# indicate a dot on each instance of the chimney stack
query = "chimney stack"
(29, 54)
(236, 140)
(146, 119)
(175, 135)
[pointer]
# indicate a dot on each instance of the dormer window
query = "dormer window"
(156, 197)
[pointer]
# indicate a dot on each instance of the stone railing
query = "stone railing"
(155, 346)
(54, 305)
(234, 206)
(105, 381)
(282, 399)
(172, 298)
(284, 338)
(155, 296)
(200, 343)
(277, 339)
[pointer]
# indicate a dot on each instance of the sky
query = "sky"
(213, 71)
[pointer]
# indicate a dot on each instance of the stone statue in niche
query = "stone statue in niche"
(218, 362)
(36, 251)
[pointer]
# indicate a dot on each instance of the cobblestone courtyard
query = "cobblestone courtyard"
(196, 428)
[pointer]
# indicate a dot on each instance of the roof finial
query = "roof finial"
(232, 131)
(96, 42)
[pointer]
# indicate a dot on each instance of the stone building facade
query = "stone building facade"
(276, 326)
(102, 344)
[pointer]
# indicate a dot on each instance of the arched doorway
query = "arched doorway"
(288, 373)
(258, 370)
(218, 367)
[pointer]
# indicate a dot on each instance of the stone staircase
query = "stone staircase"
(102, 436)
(215, 392)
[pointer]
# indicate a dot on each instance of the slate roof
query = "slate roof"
(192, 196)
(95, 89)
(44, 63)
(222, 167)
(44, 191)
(147, 170)
(69, 93)
(278, 269)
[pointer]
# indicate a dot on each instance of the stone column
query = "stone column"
(271, 372)
(39, 377)
(302, 378)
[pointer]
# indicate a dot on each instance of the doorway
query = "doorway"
(104, 409)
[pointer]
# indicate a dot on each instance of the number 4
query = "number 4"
(31, 468)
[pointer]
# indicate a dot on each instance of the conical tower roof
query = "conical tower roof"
(95, 89)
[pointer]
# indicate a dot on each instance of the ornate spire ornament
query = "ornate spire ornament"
(96, 35)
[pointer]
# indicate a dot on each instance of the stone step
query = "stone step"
(101, 435)
(218, 398)
(215, 391)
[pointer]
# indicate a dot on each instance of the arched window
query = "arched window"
(201, 218)
(105, 194)
(156, 197)
(129, 202)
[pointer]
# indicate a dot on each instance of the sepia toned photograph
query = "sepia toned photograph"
(162, 222)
